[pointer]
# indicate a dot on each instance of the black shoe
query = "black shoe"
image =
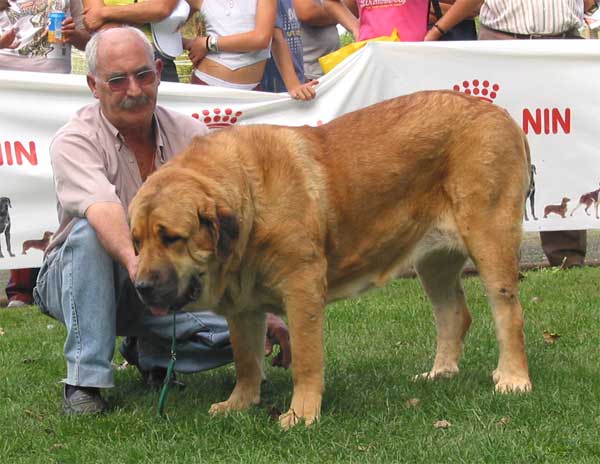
(129, 350)
(153, 378)
(82, 400)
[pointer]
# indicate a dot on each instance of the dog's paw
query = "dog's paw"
(220, 408)
(225, 407)
(305, 407)
(511, 383)
(290, 419)
(238, 401)
(443, 373)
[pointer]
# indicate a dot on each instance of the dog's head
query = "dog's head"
(4, 205)
(183, 234)
(565, 200)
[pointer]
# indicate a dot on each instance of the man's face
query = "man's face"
(126, 80)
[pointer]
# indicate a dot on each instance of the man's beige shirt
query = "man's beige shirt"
(92, 163)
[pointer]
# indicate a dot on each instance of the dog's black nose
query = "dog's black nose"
(144, 288)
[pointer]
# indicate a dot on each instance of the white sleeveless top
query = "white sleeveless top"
(227, 17)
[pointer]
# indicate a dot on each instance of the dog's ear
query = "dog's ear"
(229, 231)
(8, 201)
(224, 229)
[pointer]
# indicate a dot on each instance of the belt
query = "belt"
(562, 35)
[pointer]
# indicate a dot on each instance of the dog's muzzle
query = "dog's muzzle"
(151, 295)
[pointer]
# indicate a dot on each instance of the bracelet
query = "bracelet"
(592, 9)
(442, 31)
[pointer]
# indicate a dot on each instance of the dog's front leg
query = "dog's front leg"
(247, 333)
(305, 308)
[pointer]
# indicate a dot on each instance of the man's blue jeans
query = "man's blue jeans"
(80, 285)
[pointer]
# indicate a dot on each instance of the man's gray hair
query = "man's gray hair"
(91, 49)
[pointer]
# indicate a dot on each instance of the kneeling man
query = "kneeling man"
(100, 159)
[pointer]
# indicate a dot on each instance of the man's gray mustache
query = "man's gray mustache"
(129, 103)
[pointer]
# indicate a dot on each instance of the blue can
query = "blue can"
(55, 20)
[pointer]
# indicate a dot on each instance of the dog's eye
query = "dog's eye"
(168, 239)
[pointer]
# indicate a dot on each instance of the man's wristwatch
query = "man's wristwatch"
(211, 44)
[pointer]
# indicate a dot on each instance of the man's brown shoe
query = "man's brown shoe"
(82, 400)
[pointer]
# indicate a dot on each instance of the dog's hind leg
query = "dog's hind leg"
(7, 238)
(576, 208)
(440, 272)
(247, 333)
(494, 246)
(532, 204)
(8, 247)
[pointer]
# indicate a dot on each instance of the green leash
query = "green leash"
(170, 368)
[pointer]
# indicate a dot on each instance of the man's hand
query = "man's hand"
(304, 91)
(68, 29)
(277, 334)
(432, 35)
(93, 18)
(196, 49)
(7, 39)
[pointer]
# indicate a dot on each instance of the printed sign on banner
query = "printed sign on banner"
(545, 86)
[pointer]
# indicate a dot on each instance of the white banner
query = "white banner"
(549, 87)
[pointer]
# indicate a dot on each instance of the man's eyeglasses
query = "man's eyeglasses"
(121, 82)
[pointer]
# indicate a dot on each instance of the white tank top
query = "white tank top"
(227, 17)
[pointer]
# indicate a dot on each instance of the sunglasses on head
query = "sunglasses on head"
(121, 82)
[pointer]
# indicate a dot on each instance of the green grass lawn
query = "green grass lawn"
(374, 344)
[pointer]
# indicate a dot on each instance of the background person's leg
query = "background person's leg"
(564, 245)
(169, 72)
(20, 285)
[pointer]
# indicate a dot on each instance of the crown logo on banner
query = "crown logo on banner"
(218, 118)
(483, 90)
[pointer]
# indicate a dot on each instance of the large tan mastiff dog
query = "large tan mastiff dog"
(286, 219)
